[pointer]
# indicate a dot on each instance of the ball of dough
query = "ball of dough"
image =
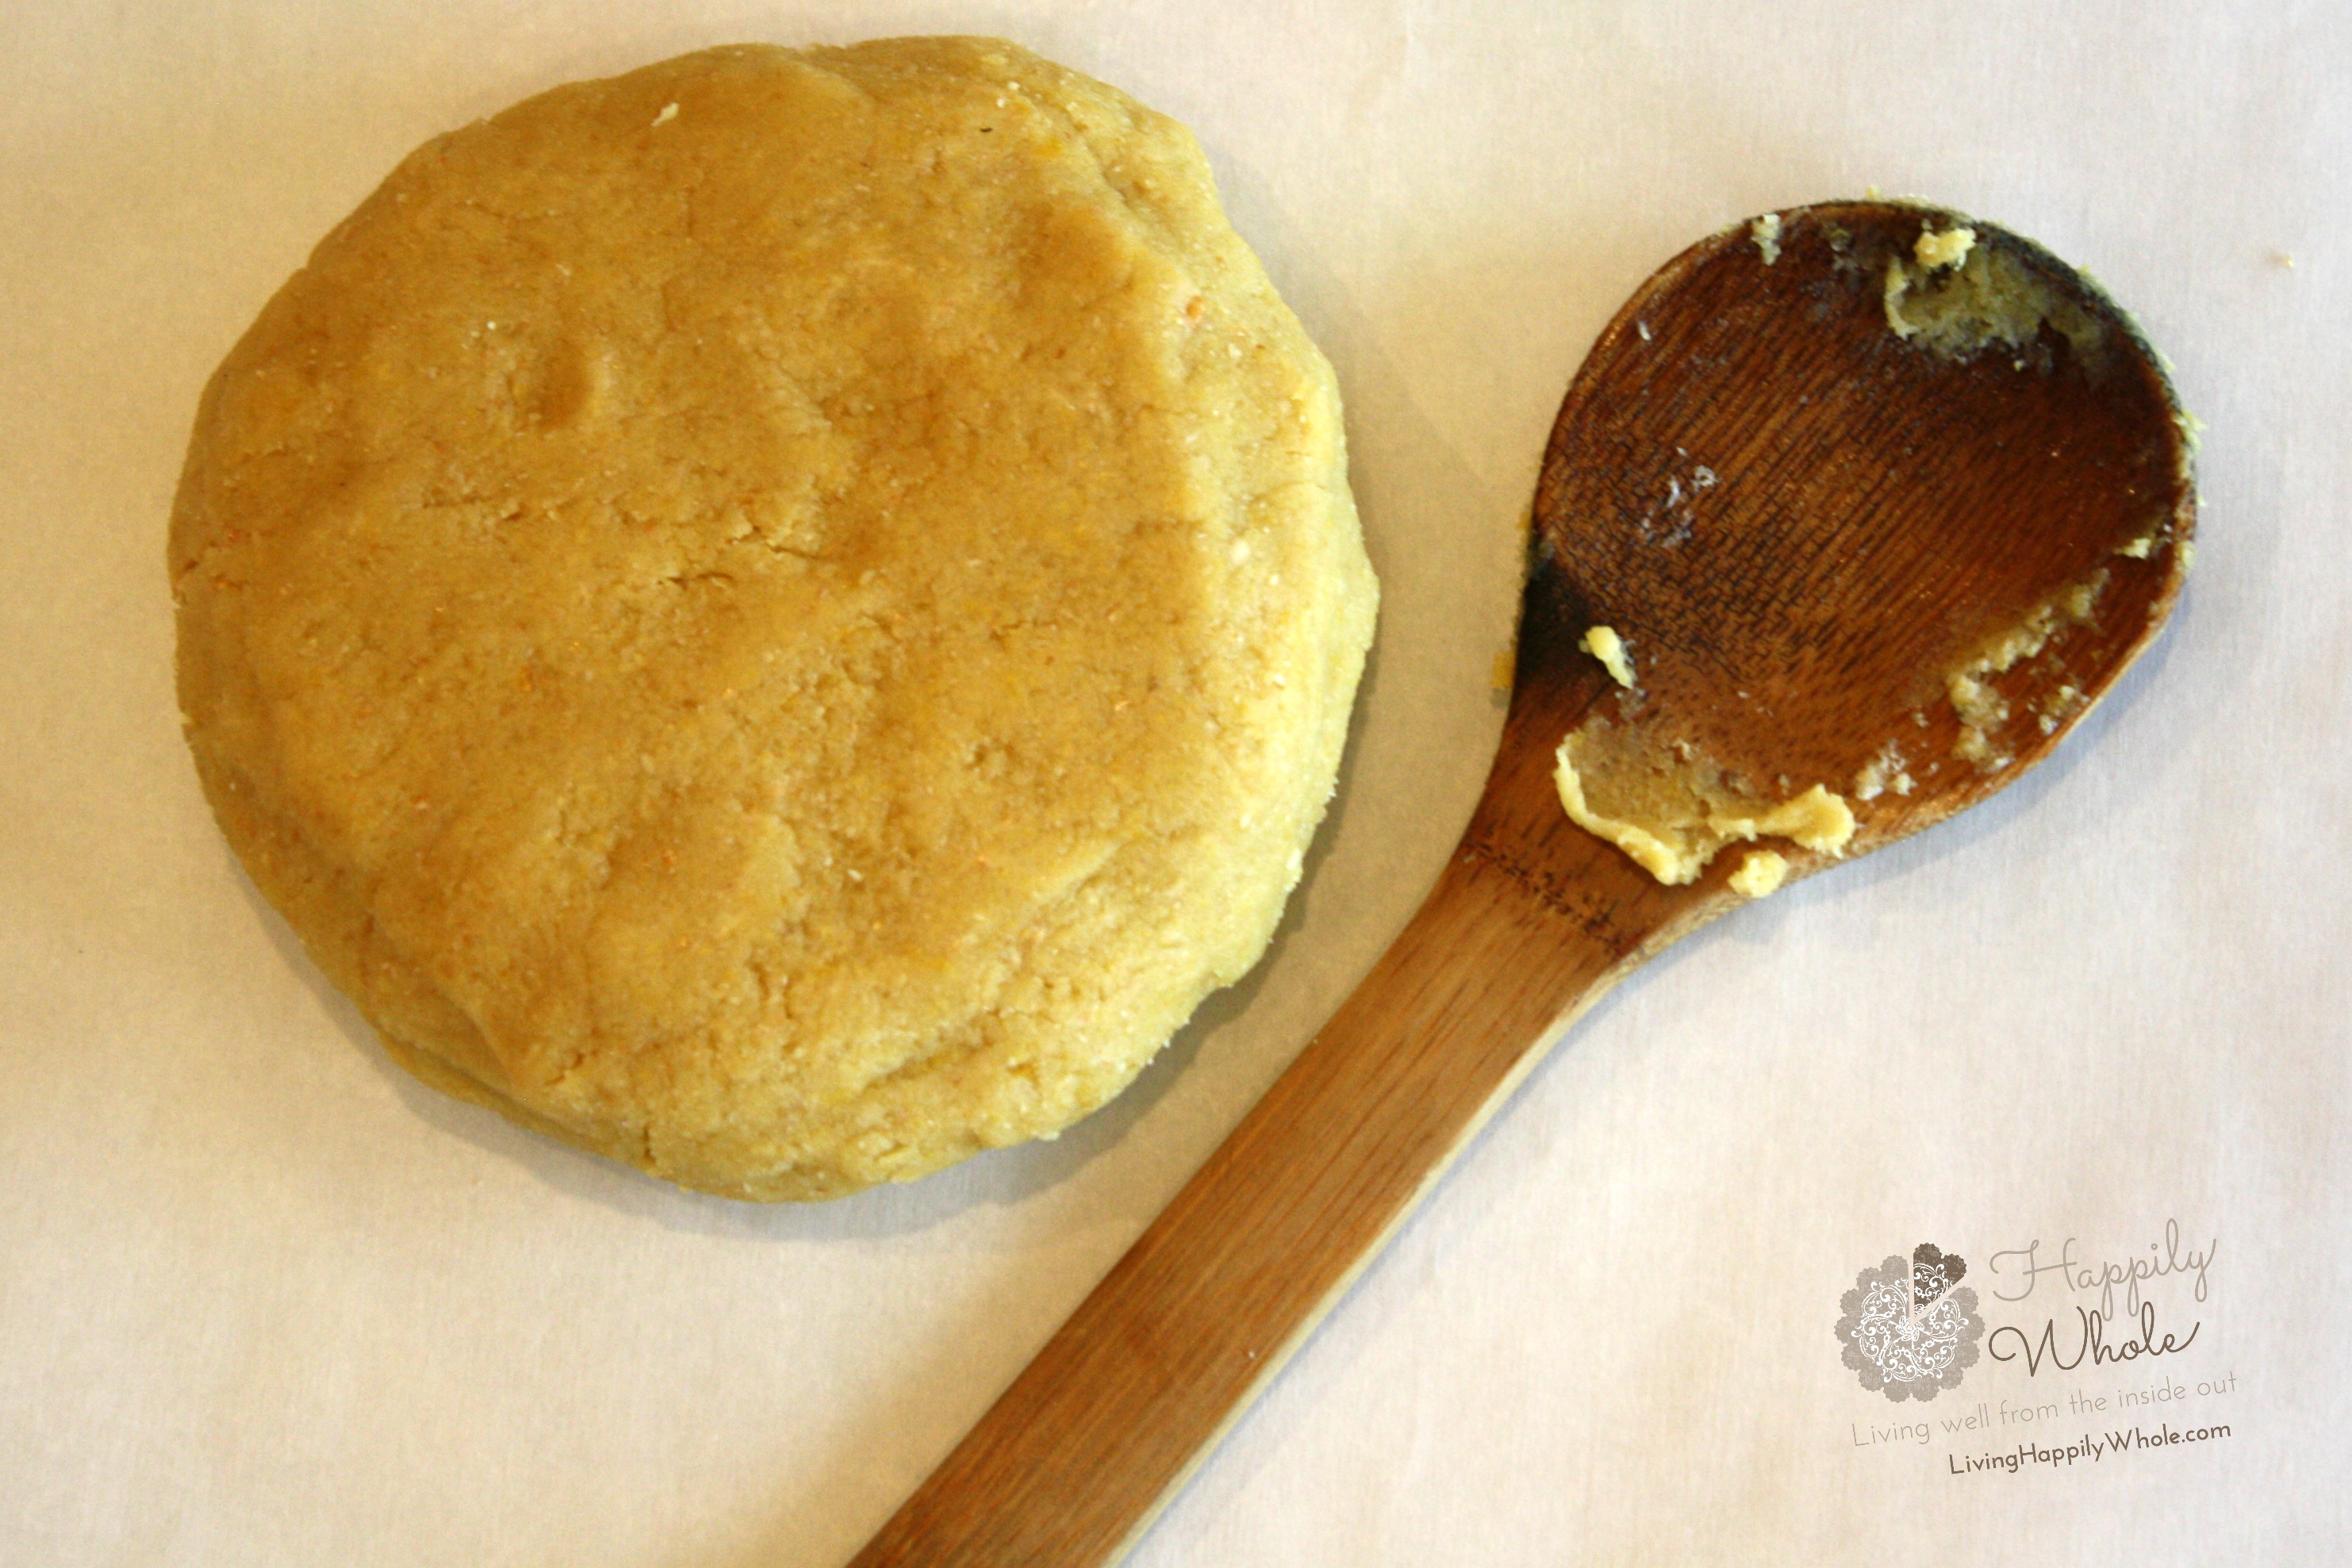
(782, 617)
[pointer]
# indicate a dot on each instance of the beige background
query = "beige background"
(263, 1300)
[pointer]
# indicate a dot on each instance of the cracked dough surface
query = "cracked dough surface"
(787, 640)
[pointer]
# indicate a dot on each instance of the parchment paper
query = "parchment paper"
(264, 1301)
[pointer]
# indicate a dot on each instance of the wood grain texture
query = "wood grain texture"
(1873, 512)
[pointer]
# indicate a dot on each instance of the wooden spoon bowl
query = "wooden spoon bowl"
(1866, 514)
(1803, 524)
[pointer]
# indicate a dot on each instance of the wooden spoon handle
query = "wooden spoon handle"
(1078, 1456)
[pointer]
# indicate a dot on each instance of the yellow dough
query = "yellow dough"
(782, 617)
(1670, 808)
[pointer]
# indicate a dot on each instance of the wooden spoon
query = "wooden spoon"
(1861, 520)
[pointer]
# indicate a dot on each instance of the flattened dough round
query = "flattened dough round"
(782, 617)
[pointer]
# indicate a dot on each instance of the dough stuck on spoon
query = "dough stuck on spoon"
(1689, 762)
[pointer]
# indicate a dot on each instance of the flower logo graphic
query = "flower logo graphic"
(1911, 1329)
